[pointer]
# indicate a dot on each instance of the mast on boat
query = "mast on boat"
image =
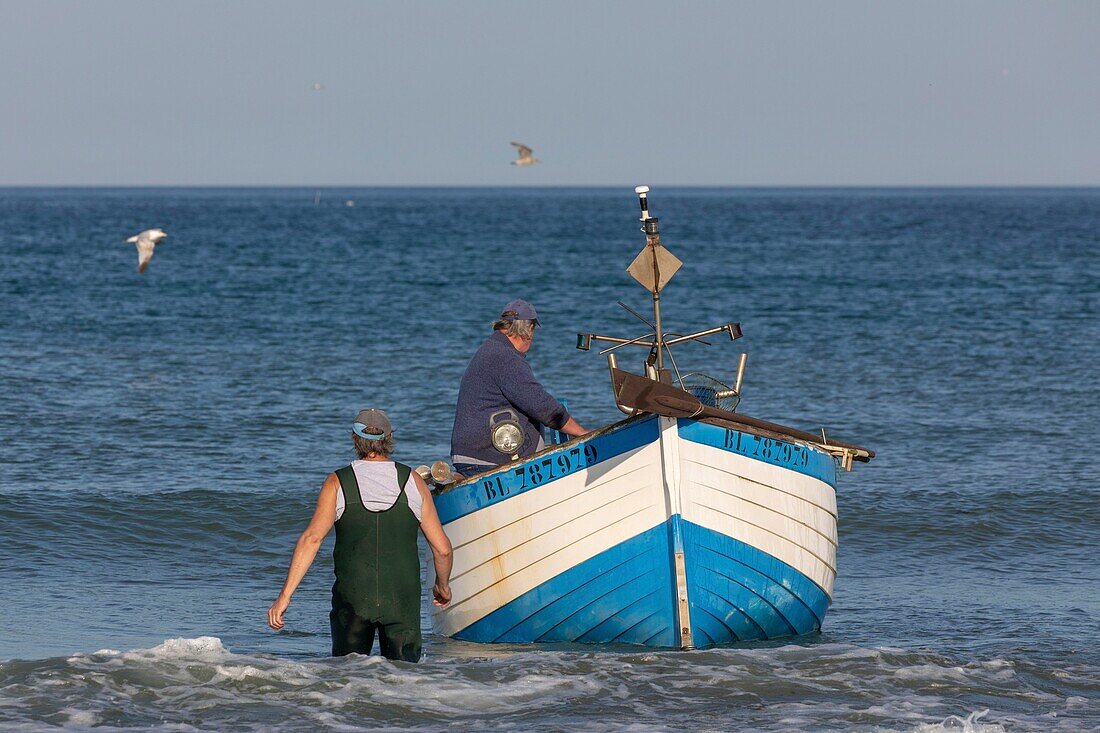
(700, 395)
(653, 268)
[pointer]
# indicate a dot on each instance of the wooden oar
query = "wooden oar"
(647, 395)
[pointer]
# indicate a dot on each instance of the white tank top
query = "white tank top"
(378, 488)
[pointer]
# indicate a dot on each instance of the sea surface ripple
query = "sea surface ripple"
(163, 437)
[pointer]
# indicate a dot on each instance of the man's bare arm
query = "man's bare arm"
(438, 541)
(306, 549)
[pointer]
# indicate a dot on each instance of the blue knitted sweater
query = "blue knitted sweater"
(499, 378)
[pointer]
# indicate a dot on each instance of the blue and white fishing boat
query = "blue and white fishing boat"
(684, 525)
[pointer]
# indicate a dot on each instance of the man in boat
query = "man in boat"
(499, 378)
(377, 506)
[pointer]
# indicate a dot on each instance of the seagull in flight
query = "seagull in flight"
(145, 242)
(525, 158)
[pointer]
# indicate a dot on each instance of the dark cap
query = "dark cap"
(521, 310)
(371, 424)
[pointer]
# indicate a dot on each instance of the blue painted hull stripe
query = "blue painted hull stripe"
(767, 566)
(575, 589)
(756, 592)
(773, 610)
(619, 618)
(756, 629)
(628, 629)
(739, 593)
(502, 485)
(649, 639)
(770, 624)
(589, 600)
(627, 594)
(698, 635)
(792, 456)
(775, 585)
(573, 616)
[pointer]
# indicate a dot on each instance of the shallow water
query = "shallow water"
(162, 439)
(185, 683)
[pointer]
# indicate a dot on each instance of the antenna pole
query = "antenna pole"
(653, 240)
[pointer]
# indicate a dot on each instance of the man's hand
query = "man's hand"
(441, 594)
(573, 428)
(278, 608)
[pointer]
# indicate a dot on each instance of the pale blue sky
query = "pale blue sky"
(723, 93)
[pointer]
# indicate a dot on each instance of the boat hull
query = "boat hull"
(654, 531)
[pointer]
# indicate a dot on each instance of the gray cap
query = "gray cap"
(519, 309)
(372, 424)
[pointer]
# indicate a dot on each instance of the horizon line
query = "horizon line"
(529, 186)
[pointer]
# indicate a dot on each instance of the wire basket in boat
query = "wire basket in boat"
(710, 391)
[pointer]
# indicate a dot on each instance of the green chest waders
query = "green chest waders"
(377, 566)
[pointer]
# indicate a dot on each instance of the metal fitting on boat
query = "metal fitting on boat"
(740, 372)
(506, 433)
(438, 474)
(441, 472)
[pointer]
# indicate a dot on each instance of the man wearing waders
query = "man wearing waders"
(377, 506)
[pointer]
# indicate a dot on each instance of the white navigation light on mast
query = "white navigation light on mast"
(642, 191)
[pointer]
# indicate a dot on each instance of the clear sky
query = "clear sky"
(694, 93)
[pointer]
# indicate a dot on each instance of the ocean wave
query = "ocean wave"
(199, 684)
(972, 723)
(1018, 520)
(246, 522)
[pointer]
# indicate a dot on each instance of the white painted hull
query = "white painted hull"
(653, 531)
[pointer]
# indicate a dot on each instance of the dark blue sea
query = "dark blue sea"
(163, 437)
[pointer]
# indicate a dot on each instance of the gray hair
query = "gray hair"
(365, 447)
(519, 327)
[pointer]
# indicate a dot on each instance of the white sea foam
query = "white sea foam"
(292, 673)
(957, 674)
(203, 647)
(794, 687)
(81, 718)
(972, 723)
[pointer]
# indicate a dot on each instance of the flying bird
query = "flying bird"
(525, 157)
(145, 242)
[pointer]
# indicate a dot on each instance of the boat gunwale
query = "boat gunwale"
(612, 427)
(548, 450)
